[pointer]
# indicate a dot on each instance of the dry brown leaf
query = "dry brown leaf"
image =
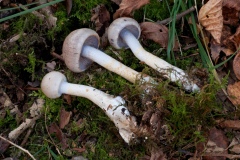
(53, 128)
(68, 5)
(50, 66)
(128, 6)
(217, 143)
(68, 98)
(3, 146)
(225, 41)
(157, 154)
(64, 118)
(101, 18)
(234, 93)
(234, 142)
(233, 124)
(215, 51)
(156, 32)
(227, 51)
(118, 2)
(231, 10)
(210, 16)
(236, 149)
(236, 65)
(236, 38)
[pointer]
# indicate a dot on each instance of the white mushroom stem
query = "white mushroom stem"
(169, 71)
(113, 65)
(54, 84)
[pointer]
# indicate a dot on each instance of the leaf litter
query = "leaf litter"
(216, 17)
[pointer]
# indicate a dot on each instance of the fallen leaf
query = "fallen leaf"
(234, 142)
(210, 16)
(34, 84)
(227, 51)
(68, 5)
(236, 65)
(118, 2)
(215, 51)
(236, 38)
(5, 101)
(50, 66)
(3, 146)
(20, 95)
(234, 93)
(225, 41)
(64, 118)
(36, 108)
(231, 10)
(147, 115)
(128, 6)
(236, 149)
(48, 15)
(53, 128)
(17, 37)
(68, 98)
(156, 32)
(233, 124)
(101, 18)
(157, 154)
(217, 143)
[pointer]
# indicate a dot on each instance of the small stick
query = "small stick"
(11, 80)
(179, 16)
(45, 121)
(24, 150)
(27, 135)
(54, 54)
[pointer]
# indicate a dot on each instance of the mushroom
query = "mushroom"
(124, 33)
(80, 51)
(54, 84)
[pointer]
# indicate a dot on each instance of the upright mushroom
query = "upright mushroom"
(124, 33)
(54, 84)
(80, 51)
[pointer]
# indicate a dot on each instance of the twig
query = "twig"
(48, 131)
(27, 135)
(11, 80)
(54, 54)
(229, 156)
(179, 16)
(19, 147)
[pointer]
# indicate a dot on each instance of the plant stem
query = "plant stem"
(30, 10)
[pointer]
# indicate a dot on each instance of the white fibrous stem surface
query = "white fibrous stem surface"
(112, 106)
(169, 71)
(109, 63)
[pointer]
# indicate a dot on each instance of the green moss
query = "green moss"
(8, 122)
(190, 111)
(154, 11)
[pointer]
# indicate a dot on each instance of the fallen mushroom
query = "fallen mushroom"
(54, 84)
(80, 51)
(124, 33)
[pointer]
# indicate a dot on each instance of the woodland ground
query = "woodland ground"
(202, 125)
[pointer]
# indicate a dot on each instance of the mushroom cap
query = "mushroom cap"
(51, 84)
(117, 26)
(72, 48)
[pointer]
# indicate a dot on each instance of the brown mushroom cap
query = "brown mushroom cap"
(72, 48)
(51, 84)
(117, 26)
